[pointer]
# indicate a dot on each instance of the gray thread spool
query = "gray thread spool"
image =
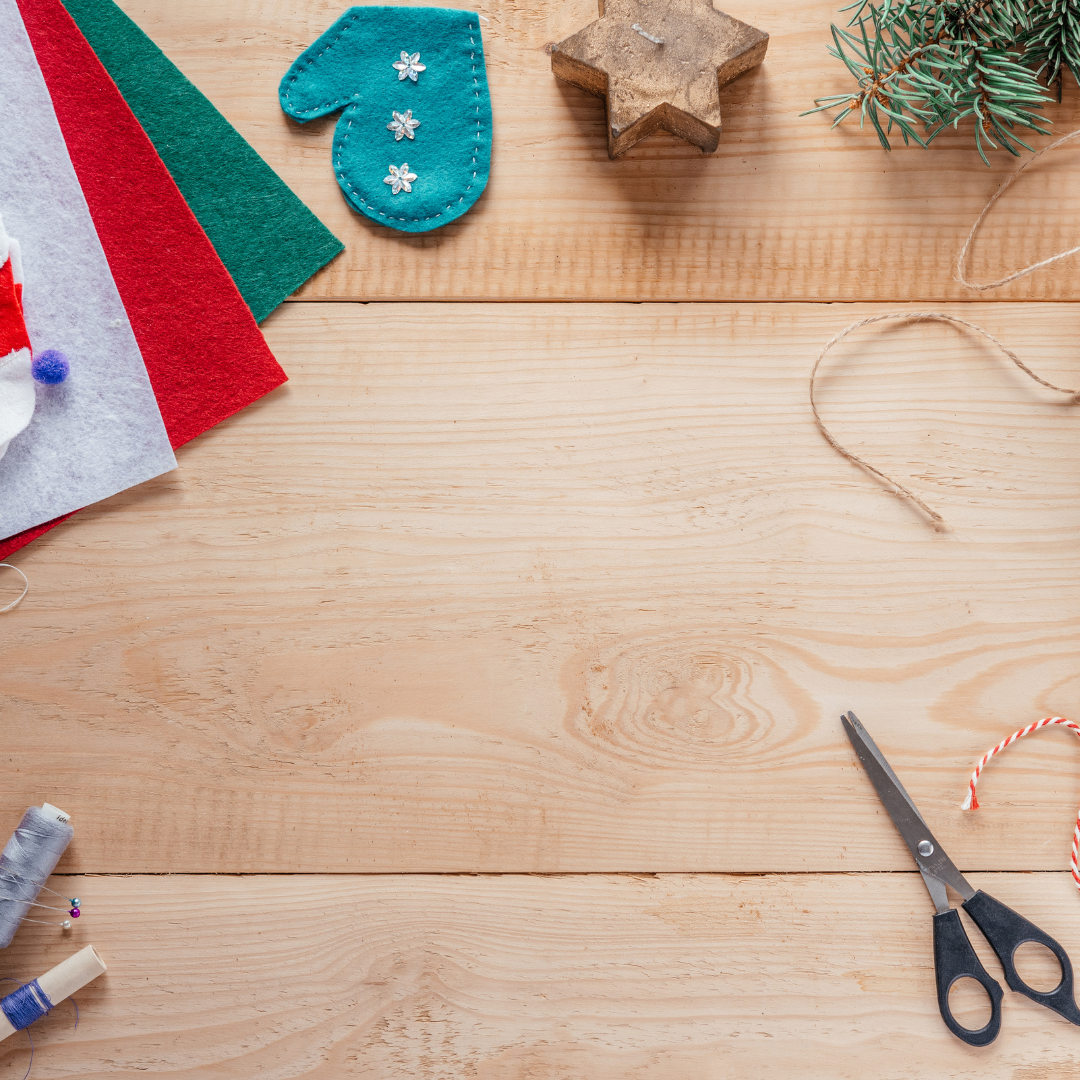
(29, 857)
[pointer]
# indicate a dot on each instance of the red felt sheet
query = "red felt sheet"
(203, 351)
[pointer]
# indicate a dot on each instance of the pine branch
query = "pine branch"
(1000, 94)
(928, 64)
(1052, 41)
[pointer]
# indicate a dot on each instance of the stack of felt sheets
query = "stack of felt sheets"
(153, 239)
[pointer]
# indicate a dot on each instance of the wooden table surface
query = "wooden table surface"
(468, 707)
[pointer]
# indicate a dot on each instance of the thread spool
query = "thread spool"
(28, 859)
(30, 1002)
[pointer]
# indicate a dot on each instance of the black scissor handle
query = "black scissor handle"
(1006, 930)
(955, 959)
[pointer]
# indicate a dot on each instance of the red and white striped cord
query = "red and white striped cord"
(972, 803)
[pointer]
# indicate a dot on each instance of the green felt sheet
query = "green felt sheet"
(269, 241)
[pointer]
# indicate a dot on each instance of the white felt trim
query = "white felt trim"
(100, 431)
(4, 243)
(17, 396)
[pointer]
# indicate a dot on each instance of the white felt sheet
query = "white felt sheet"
(100, 431)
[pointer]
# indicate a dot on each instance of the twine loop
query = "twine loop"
(26, 586)
(916, 316)
(961, 260)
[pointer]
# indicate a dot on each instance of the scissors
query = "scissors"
(954, 958)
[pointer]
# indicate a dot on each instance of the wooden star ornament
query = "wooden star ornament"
(659, 65)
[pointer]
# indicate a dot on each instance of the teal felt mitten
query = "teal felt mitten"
(412, 148)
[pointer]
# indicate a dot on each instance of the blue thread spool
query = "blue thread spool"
(25, 1005)
(33, 1000)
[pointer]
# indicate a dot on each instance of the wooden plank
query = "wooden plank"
(508, 978)
(551, 588)
(785, 209)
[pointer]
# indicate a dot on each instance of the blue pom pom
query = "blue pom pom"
(50, 367)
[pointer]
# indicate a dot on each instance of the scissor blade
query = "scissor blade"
(906, 818)
(856, 724)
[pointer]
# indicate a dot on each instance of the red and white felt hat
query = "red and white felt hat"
(17, 395)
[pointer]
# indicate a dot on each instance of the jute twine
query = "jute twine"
(938, 316)
(915, 316)
(961, 260)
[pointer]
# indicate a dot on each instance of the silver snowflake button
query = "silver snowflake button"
(403, 126)
(408, 67)
(399, 179)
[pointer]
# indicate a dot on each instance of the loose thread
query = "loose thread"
(961, 261)
(972, 803)
(26, 586)
(917, 316)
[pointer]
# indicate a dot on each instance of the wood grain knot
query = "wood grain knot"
(688, 698)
